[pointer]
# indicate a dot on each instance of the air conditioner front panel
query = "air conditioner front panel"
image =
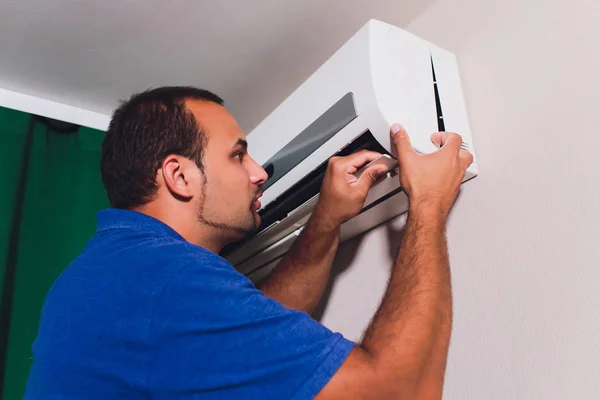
(382, 75)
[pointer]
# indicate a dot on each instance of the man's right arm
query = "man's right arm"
(404, 351)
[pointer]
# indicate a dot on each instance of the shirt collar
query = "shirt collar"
(113, 218)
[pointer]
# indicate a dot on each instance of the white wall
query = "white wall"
(524, 236)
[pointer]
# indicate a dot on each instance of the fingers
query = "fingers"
(370, 176)
(438, 139)
(453, 142)
(466, 158)
(447, 139)
(402, 142)
(355, 161)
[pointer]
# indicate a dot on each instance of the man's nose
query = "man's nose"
(258, 175)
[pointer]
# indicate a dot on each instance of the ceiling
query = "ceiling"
(90, 54)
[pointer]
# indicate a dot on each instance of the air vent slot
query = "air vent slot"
(438, 107)
(438, 104)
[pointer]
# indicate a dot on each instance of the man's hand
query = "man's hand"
(404, 351)
(342, 194)
(300, 278)
(432, 181)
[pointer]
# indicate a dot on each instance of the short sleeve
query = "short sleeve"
(215, 335)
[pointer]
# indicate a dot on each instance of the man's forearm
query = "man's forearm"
(414, 321)
(300, 278)
(432, 382)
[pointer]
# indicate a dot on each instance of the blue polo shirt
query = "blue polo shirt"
(141, 313)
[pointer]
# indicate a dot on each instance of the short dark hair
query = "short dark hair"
(143, 131)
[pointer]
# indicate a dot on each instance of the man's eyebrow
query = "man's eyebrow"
(241, 143)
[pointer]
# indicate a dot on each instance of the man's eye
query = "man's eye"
(239, 156)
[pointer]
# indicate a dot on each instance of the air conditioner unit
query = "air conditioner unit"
(380, 76)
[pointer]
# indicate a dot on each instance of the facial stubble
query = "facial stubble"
(203, 218)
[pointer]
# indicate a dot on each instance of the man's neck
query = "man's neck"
(187, 226)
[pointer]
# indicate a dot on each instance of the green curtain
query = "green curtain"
(62, 192)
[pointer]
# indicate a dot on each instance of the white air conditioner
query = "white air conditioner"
(381, 76)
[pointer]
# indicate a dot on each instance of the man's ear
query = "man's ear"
(178, 173)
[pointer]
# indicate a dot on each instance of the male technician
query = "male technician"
(149, 310)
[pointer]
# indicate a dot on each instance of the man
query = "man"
(149, 309)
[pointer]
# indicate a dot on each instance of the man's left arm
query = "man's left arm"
(301, 276)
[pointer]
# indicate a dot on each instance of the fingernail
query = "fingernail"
(395, 129)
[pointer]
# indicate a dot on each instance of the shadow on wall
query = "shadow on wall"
(347, 254)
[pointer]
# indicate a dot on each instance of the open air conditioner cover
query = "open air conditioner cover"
(380, 76)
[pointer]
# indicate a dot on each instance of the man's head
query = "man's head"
(178, 154)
